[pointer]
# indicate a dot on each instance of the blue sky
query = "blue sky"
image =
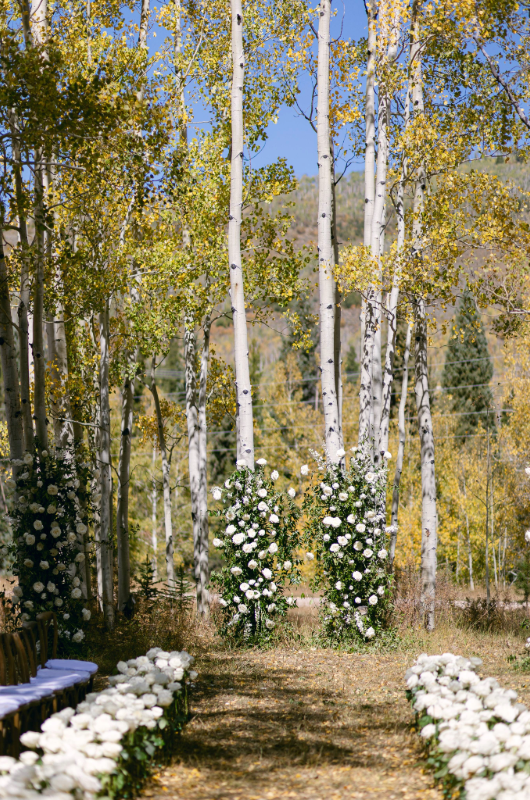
(293, 137)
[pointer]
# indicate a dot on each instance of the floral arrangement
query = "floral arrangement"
(258, 544)
(105, 745)
(49, 524)
(477, 734)
(346, 527)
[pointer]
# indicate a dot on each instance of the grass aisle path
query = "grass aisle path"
(308, 724)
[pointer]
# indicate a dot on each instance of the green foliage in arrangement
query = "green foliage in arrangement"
(346, 527)
(49, 520)
(258, 543)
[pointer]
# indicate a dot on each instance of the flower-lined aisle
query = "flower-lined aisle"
(477, 734)
(291, 724)
(105, 746)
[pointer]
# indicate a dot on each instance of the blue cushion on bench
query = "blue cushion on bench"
(72, 663)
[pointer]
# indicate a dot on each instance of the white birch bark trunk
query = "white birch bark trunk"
(245, 444)
(428, 480)
(367, 342)
(325, 246)
(154, 526)
(105, 533)
(468, 537)
(423, 406)
(204, 572)
(401, 445)
(8, 359)
(194, 456)
(124, 475)
(166, 487)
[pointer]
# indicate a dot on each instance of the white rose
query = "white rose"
(357, 546)
(380, 590)
(242, 608)
(263, 506)
(51, 586)
(274, 519)
(368, 553)
(342, 540)
(360, 528)
(238, 538)
(78, 637)
(80, 557)
(217, 542)
(29, 538)
(334, 547)
(38, 587)
(338, 585)
(275, 475)
(266, 573)
(310, 556)
(370, 477)
(269, 624)
(382, 553)
(287, 564)
(227, 484)
(17, 591)
(273, 548)
(230, 529)
(387, 456)
(370, 633)
(76, 593)
(343, 496)
(261, 462)
(58, 602)
(373, 599)
(241, 462)
(291, 492)
(357, 576)
(336, 522)
(217, 493)
(44, 565)
(28, 562)
(86, 614)
(38, 525)
(236, 571)
(252, 564)
(291, 601)
(304, 470)
(53, 490)
(262, 493)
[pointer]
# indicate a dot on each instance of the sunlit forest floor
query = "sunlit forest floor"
(300, 720)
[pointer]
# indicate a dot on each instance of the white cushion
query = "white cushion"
(60, 677)
(10, 704)
(26, 692)
(71, 663)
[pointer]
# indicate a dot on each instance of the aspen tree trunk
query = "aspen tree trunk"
(367, 327)
(325, 247)
(105, 534)
(8, 358)
(23, 306)
(401, 445)
(245, 439)
(388, 377)
(61, 410)
(154, 537)
(337, 331)
(204, 572)
(166, 488)
(428, 481)
(124, 474)
(194, 455)
(469, 551)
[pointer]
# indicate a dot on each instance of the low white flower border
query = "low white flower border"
(477, 734)
(79, 753)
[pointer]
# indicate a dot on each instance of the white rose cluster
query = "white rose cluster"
(348, 526)
(257, 540)
(479, 729)
(48, 534)
(76, 748)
